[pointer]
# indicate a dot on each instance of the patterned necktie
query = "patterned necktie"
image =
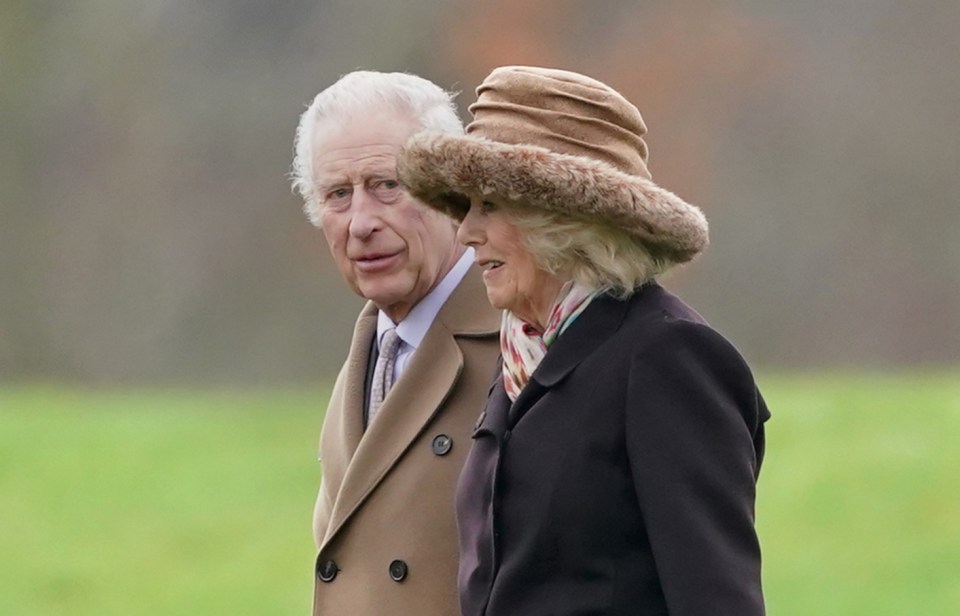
(383, 372)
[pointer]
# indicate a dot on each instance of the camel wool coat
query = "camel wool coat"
(384, 520)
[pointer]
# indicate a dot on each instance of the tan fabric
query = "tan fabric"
(560, 141)
(565, 112)
(388, 496)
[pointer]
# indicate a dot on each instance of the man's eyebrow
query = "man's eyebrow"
(385, 175)
(333, 178)
(373, 170)
(330, 183)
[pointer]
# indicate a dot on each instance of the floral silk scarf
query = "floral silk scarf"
(523, 347)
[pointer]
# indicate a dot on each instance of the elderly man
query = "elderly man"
(423, 355)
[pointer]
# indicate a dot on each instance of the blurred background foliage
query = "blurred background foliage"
(148, 233)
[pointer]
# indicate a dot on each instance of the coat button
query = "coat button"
(327, 570)
(398, 570)
(442, 444)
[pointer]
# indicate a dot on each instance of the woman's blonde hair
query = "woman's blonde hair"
(593, 254)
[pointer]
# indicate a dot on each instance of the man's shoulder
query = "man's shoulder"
(467, 311)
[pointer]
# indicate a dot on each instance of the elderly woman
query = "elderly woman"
(613, 469)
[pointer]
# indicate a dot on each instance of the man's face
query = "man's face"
(390, 248)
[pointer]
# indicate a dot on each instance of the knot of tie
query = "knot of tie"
(383, 371)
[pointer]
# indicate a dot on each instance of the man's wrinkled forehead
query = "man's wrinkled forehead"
(387, 128)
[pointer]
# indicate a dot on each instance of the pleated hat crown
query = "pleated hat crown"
(561, 111)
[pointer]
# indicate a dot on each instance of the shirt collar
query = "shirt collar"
(414, 326)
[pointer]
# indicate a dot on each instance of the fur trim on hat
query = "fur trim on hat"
(442, 169)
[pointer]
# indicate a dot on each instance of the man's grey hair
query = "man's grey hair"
(427, 104)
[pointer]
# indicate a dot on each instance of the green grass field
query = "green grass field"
(179, 502)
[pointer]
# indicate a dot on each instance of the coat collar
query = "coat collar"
(591, 329)
(351, 418)
(461, 316)
(414, 400)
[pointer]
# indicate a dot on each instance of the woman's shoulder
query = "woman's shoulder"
(654, 305)
(665, 324)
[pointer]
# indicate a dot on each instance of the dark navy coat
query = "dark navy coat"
(622, 480)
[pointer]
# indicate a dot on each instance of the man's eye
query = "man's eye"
(337, 197)
(387, 191)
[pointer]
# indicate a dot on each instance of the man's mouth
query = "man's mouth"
(373, 256)
(374, 260)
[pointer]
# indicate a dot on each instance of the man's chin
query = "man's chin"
(385, 298)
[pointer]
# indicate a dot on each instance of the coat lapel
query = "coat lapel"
(414, 399)
(410, 405)
(591, 329)
(350, 428)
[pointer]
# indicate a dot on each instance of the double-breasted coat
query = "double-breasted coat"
(384, 520)
(622, 479)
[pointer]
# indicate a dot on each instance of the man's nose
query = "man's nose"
(366, 214)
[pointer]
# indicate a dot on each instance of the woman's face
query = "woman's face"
(513, 279)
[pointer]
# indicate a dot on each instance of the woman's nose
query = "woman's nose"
(469, 232)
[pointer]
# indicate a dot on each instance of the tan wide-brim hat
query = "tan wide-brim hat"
(560, 141)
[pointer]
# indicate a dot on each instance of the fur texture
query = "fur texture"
(442, 170)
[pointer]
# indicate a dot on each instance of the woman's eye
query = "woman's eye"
(487, 206)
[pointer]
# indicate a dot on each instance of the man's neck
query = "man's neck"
(399, 311)
(418, 319)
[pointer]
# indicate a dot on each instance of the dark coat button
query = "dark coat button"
(398, 570)
(442, 444)
(326, 570)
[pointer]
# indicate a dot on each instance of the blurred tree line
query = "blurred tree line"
(148, 232)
